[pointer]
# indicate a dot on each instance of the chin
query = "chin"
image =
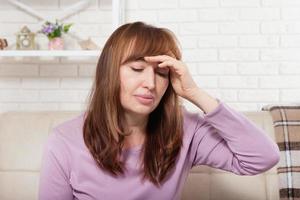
(141, 109)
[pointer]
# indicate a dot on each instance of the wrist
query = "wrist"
(202, 100)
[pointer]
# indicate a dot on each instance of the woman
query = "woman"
(136, 141)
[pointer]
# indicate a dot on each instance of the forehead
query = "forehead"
(137, 48)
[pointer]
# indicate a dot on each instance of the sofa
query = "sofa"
(22, 135)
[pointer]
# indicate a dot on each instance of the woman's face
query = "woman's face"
(142, 86)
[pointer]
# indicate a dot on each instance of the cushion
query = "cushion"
(286, 122)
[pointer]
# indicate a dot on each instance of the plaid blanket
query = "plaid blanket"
(286, 122)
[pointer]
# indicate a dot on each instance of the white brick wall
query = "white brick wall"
(245, 52)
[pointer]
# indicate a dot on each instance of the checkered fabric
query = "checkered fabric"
(286, 122)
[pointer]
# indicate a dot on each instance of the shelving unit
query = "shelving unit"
(117, 19)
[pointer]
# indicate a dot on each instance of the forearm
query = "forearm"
(232, 142)
(203, 100)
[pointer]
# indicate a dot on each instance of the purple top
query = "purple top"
(223, 138)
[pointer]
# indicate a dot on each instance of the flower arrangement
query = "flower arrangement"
(54, 30)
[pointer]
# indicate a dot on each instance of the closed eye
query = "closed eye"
(160, 72)
(137, 69)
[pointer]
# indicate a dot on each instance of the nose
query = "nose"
(149, 78)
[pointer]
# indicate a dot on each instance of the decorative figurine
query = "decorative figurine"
(88, 44)
(25, 39)
(3, 43)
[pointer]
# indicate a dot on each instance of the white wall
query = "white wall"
(245, 52)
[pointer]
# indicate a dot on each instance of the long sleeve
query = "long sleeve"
(226, 139)
(54, 181)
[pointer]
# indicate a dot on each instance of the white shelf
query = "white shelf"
(48, 53)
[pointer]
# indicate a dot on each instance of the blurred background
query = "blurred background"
(245, 53)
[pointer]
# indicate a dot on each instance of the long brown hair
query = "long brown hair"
(104, 130)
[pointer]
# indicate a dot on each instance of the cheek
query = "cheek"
(123, 81)
(163, 85)
(123, 89)
(127, 87)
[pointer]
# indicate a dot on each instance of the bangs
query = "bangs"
(150, 42)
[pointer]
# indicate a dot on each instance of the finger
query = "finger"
(172, 65)
(159, 58)
(167, 63)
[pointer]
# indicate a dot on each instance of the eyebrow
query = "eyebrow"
(134, 60)
(140, 59)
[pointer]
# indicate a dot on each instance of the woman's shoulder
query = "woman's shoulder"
(65, 141)
(69, 131)
(71, 124)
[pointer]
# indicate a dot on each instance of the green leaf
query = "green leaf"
(67, 27)
(57, 33)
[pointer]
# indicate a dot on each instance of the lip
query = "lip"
(146, 96)
(145, 99)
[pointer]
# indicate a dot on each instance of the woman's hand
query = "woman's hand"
(183, 83)
(180, 78)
